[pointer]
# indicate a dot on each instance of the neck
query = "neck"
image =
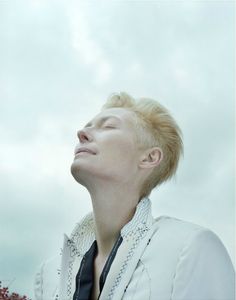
(112, 209)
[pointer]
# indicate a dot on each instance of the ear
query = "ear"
(151, 158)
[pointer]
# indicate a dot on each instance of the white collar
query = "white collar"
(83, 234)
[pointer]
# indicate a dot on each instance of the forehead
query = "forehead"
(121, 114)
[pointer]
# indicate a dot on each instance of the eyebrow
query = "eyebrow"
(102, 120)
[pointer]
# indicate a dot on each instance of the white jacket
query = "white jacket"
(159, 259)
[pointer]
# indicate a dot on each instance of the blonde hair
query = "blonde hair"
(155, 128)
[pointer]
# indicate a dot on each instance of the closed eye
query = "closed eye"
(109, 126)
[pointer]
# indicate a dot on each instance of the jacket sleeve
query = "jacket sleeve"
(46, 279)
(204, 270)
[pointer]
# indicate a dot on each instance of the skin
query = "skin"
(113, 175)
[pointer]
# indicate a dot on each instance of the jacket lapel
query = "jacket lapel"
(68, 263)
(127, 257)
(73, 251)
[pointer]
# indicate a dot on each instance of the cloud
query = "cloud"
(89, 51)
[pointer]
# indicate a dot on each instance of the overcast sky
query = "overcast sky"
(59, 61)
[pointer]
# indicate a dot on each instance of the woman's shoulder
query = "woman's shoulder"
(177, 230)
(175, 238)
(166, 222)
(189, 255)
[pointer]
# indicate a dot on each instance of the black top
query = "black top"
(85, 275)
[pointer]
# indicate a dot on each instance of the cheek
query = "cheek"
(120, 151)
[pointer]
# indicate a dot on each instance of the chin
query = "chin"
(74, 169)
(84, 173)
(75, 173)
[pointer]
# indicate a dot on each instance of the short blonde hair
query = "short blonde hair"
(155, 128)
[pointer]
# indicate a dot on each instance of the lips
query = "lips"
(83, 149)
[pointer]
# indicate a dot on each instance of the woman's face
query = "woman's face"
(111, 136)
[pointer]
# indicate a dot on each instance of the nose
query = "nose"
(83, 136)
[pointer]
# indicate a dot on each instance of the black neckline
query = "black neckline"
(85, 275)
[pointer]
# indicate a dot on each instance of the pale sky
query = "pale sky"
(60, 60)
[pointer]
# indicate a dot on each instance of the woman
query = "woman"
(119, 251)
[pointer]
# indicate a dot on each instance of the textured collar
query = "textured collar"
(84, 232)
(125, 261)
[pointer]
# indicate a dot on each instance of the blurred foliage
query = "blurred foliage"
(6, 295)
